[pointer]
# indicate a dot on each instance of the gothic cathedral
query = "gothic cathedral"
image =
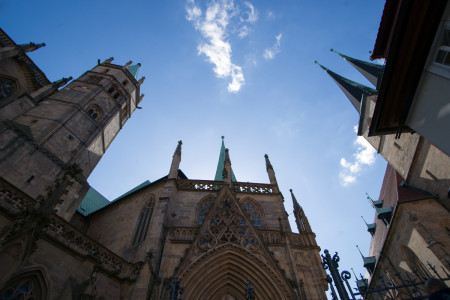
(60, 239)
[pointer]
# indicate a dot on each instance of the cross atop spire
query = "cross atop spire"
(369, 70)
(221, 164)
(353, 90)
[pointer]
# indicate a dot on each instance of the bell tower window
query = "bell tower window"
(94, 112)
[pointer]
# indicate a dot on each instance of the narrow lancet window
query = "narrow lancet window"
(143, 223)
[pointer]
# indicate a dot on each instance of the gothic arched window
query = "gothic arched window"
(254, 211)
(203, 209)
(27, 286)
(144, 222)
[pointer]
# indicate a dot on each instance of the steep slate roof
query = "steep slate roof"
(221, 165)
(142, 185)
(369, 70)
(92, 202)
(353, 90)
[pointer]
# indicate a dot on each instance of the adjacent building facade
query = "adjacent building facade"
(60, 239)
(406, 118)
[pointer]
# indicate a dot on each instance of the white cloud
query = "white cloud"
(243, 32)
(252, 13)
(364, 155)
(271, 52)
(213, 24)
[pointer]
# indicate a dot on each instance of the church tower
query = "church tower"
(45, 132)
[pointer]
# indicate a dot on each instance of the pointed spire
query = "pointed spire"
(227, 167)
(62, 82)
(134, 69)
(128, 64)
(268, 164)
(178, 149)
(30, 47)
(353, 90)
(300, 217)
(294, 201)
(369, 70)
(141, 81)
(221, 165)
(271, 172)
(176, 159)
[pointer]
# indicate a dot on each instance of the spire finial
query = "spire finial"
(294, 201)
(268, 164)
(178, 149)
(360, 251)
(364, 221)
(223, 157)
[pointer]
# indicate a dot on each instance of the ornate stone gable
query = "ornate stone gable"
(228, 236)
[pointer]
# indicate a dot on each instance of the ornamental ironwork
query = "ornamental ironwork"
(387, 283)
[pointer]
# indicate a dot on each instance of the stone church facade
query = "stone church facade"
(216, 236)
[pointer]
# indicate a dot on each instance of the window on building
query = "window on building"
(94, 112)
(28, 286)
(144, 222)
(254, 212)
(443, 52)
(111, 89)
(203, 209)
(116, 95)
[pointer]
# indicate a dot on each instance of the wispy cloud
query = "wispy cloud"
(364, 155)
(270, 53)
(270, 15)
(213, 24)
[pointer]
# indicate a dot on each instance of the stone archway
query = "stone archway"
(223, 273)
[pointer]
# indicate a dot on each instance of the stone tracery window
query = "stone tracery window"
(254, 212)
(144, 222)
(203, 209)
(27, 286)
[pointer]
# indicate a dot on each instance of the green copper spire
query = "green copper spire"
(353, 90)
(134, 69)
(369, 70)
(221, 165)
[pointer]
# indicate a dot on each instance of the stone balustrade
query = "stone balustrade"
(238, 187)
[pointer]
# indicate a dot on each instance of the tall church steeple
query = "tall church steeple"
(300, 217)
(221, 164)
(369, 70)
(353, 90)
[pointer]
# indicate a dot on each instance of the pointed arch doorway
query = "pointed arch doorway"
(223, 273)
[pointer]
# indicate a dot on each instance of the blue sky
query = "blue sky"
(242, 69)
